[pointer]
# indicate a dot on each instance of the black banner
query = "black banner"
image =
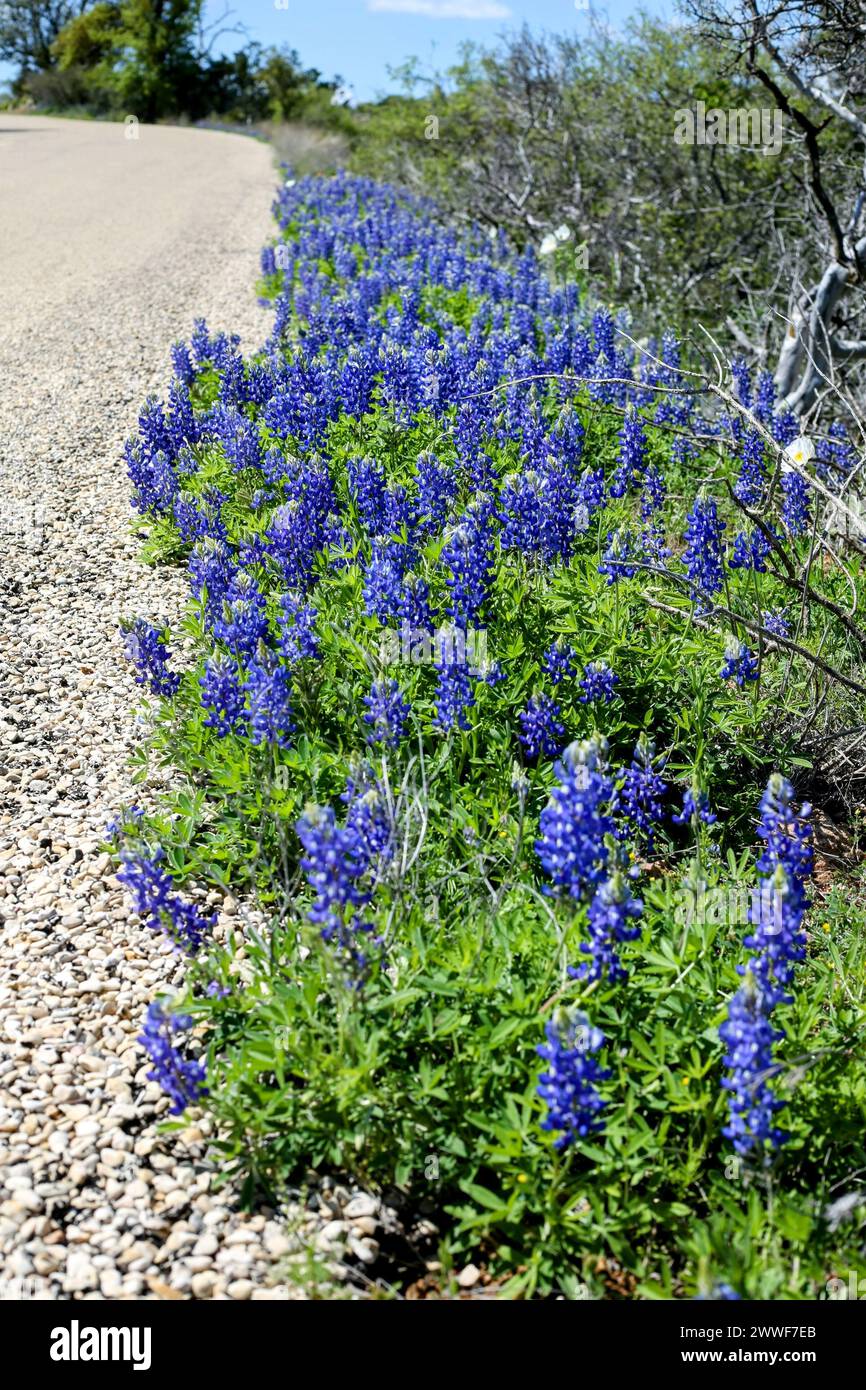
(89, 1339)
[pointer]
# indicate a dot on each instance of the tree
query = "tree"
(28, 29)
(154, 56)
(810, 58)
(541, 132)
(140, 56)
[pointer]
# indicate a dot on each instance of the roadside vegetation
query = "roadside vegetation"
(512, 672)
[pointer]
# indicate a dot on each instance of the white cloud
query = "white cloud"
(443, 9)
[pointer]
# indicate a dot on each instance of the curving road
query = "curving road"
(109, 248)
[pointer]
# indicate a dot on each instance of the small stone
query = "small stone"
(362, 1204)
(80, 1273)
(277, 1245)
(333, 1231)
(365, 1249)
(240, 1288)
(203, 1283)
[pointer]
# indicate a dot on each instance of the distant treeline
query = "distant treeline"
(153, 59)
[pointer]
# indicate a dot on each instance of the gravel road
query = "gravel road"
(110, 248)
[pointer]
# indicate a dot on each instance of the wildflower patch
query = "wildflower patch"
(487, 975)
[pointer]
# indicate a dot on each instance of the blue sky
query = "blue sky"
(360, 39)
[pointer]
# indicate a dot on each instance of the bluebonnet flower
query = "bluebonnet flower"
(560, 498)
(146, 646)
(559, 661)
(367, 487)
(619, 559)
(489, 672)
(835, 458)
(653, 546)
(640, 796)
(397, 516)
(765, 397)
(183, 1079)
(297, 533)
(211, 349)
(749, 1037)
(597, 683)
(183, 427)
(468, 553)
(155, 483)
(153, 430)
(387, 712)
(795, 506)
(603, 330)
(297, 622)
(128, 820)
(238, 435)
(454, 693)
(157, 902)
(568, 1085)
(413, 606)
(336, 861)
(780, 901)
(211, 570)
(268, 688)
(776, 621)
(741, 554)
(243, 622)
(653, 495)
(340, 545)
(611, 915)
(522, 512)
(742, 381)
(784, 428)
(750, 484)
(703, 554)
(223, 695)
(383, 581)
(632, 455)
(696, 808)
(542, 728)
(201, 518)
(740, 664)
(750, 551)
(368, 813)
(437, 492)
(591, 489)
(181, 364)
(576, 820)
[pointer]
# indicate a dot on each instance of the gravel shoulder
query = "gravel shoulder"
(111, 247)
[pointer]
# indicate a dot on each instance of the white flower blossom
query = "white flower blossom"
(799, 452)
